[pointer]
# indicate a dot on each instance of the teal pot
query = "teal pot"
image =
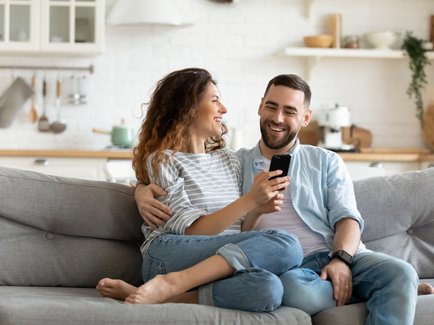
(121, 135)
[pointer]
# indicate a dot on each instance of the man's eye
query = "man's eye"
(271, 107)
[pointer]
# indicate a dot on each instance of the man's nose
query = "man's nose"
(277, 116)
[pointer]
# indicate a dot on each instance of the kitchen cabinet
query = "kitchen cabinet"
(19, 25)
(83, 168)
(52, 26)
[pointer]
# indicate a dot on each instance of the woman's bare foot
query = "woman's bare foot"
(113, 288)
(157, 290)
(425, 289)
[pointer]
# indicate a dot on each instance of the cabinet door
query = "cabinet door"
(83, 168)
(19, 25)
(72, 26)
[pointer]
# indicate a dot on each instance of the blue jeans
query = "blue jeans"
(387, 284)
(258, 257)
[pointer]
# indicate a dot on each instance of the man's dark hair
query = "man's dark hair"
(292, 81)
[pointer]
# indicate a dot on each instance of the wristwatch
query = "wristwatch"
(343, 256)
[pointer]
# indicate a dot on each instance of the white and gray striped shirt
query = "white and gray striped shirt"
(196, 184)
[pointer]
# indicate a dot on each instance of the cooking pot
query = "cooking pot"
(121, 135)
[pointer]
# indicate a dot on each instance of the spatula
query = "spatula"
(44, 123)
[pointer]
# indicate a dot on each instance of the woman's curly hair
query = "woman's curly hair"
(170, 112)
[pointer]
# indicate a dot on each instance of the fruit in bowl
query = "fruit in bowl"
(381, 40)
(323, 41)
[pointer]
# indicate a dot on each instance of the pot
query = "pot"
(121, 135)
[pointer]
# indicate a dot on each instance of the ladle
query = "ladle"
(59, 125)
(44, 124)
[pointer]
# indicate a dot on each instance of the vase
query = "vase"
(428, 127)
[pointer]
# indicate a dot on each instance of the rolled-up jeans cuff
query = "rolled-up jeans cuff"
(205, 296)
(234, 256)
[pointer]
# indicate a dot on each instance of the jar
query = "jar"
(351, 42)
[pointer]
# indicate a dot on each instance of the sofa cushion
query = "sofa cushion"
(46, 306)
(57, 231)
(399, 217)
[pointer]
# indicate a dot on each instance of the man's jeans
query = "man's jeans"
(258, 257)
(388, 284)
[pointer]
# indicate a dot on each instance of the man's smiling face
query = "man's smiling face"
(282, 114)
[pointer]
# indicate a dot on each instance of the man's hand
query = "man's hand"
(153, 212)
(341, 277)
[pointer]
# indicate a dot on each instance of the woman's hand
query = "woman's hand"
(263, 189)
(153, 212)
(252, 218)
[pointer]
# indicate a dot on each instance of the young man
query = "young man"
(319, 207)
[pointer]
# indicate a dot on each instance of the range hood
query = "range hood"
(146, 12)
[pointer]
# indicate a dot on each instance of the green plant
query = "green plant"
(413, 47)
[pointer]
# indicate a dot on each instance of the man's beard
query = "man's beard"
(277, 144)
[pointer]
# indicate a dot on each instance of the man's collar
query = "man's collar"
(259, 158)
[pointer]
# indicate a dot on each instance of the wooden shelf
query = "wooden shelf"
(347, 53)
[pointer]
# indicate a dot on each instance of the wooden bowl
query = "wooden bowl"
(323, 41)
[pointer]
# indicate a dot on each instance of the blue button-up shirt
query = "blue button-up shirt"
(321, 189)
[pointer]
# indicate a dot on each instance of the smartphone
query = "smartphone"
(281, 162)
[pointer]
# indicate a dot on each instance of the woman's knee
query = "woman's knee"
(254, 290)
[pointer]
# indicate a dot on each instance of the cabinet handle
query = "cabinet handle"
(41, 162)
(376, 164)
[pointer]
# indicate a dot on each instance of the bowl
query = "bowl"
(381, 40)
(323, 41)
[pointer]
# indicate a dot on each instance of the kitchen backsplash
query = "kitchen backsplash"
(242, 45)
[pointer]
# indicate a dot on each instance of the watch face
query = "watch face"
(343, 255)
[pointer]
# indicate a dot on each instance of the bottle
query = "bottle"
(335, 27)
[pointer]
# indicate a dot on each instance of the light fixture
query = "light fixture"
(142, 12)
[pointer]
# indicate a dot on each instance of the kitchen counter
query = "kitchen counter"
(367, 154)
(73, 153)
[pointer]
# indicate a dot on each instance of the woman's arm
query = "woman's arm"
(252, 218)
(263, 190)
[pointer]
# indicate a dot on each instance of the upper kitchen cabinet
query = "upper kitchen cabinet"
(64, 27)
(19, 23)
(72, 26)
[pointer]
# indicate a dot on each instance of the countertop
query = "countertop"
(367, 154)
(69, 153)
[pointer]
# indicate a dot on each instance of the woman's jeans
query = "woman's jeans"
(258, 257)
(387, 284)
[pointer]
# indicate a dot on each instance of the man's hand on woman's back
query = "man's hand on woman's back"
(153, 212)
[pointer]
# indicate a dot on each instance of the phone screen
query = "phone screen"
(281, 162)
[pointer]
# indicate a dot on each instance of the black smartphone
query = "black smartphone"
(281, 162)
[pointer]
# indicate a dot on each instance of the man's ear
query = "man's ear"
(260, 106)
(307, 117)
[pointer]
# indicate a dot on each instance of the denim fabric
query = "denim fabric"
(321, 189)
(388, 284)
(258, 257)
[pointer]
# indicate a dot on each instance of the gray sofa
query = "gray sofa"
(59, 236)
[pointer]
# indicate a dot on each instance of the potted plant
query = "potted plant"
(413, 47)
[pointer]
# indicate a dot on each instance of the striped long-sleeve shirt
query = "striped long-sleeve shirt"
(196, 184)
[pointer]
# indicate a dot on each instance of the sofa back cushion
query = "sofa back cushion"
(399, 216)
(57, 231)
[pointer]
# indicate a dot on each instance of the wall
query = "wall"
(241, 45)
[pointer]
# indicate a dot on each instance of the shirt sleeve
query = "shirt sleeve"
(341, 198)
(183, 212)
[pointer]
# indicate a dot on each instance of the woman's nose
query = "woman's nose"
(223, 109)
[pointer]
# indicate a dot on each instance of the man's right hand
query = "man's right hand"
(153, 212)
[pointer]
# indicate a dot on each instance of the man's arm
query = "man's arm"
(347, 238)
(153, 212)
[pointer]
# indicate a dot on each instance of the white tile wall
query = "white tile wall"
(240, 45)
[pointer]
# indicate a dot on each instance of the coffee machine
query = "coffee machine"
(332, 121)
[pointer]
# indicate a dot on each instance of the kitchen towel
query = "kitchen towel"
(12, 100)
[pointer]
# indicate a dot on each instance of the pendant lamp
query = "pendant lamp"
(145, 12)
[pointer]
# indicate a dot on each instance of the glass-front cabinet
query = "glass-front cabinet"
(72, 25)
(52, 26)
(19, 23)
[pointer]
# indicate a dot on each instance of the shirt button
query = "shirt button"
(49, 235)
(410, 231)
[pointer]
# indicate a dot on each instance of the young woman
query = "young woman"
(180, 149)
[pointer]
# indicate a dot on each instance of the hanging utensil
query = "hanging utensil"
(59, 125)
(33, 114)
(44, 123)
